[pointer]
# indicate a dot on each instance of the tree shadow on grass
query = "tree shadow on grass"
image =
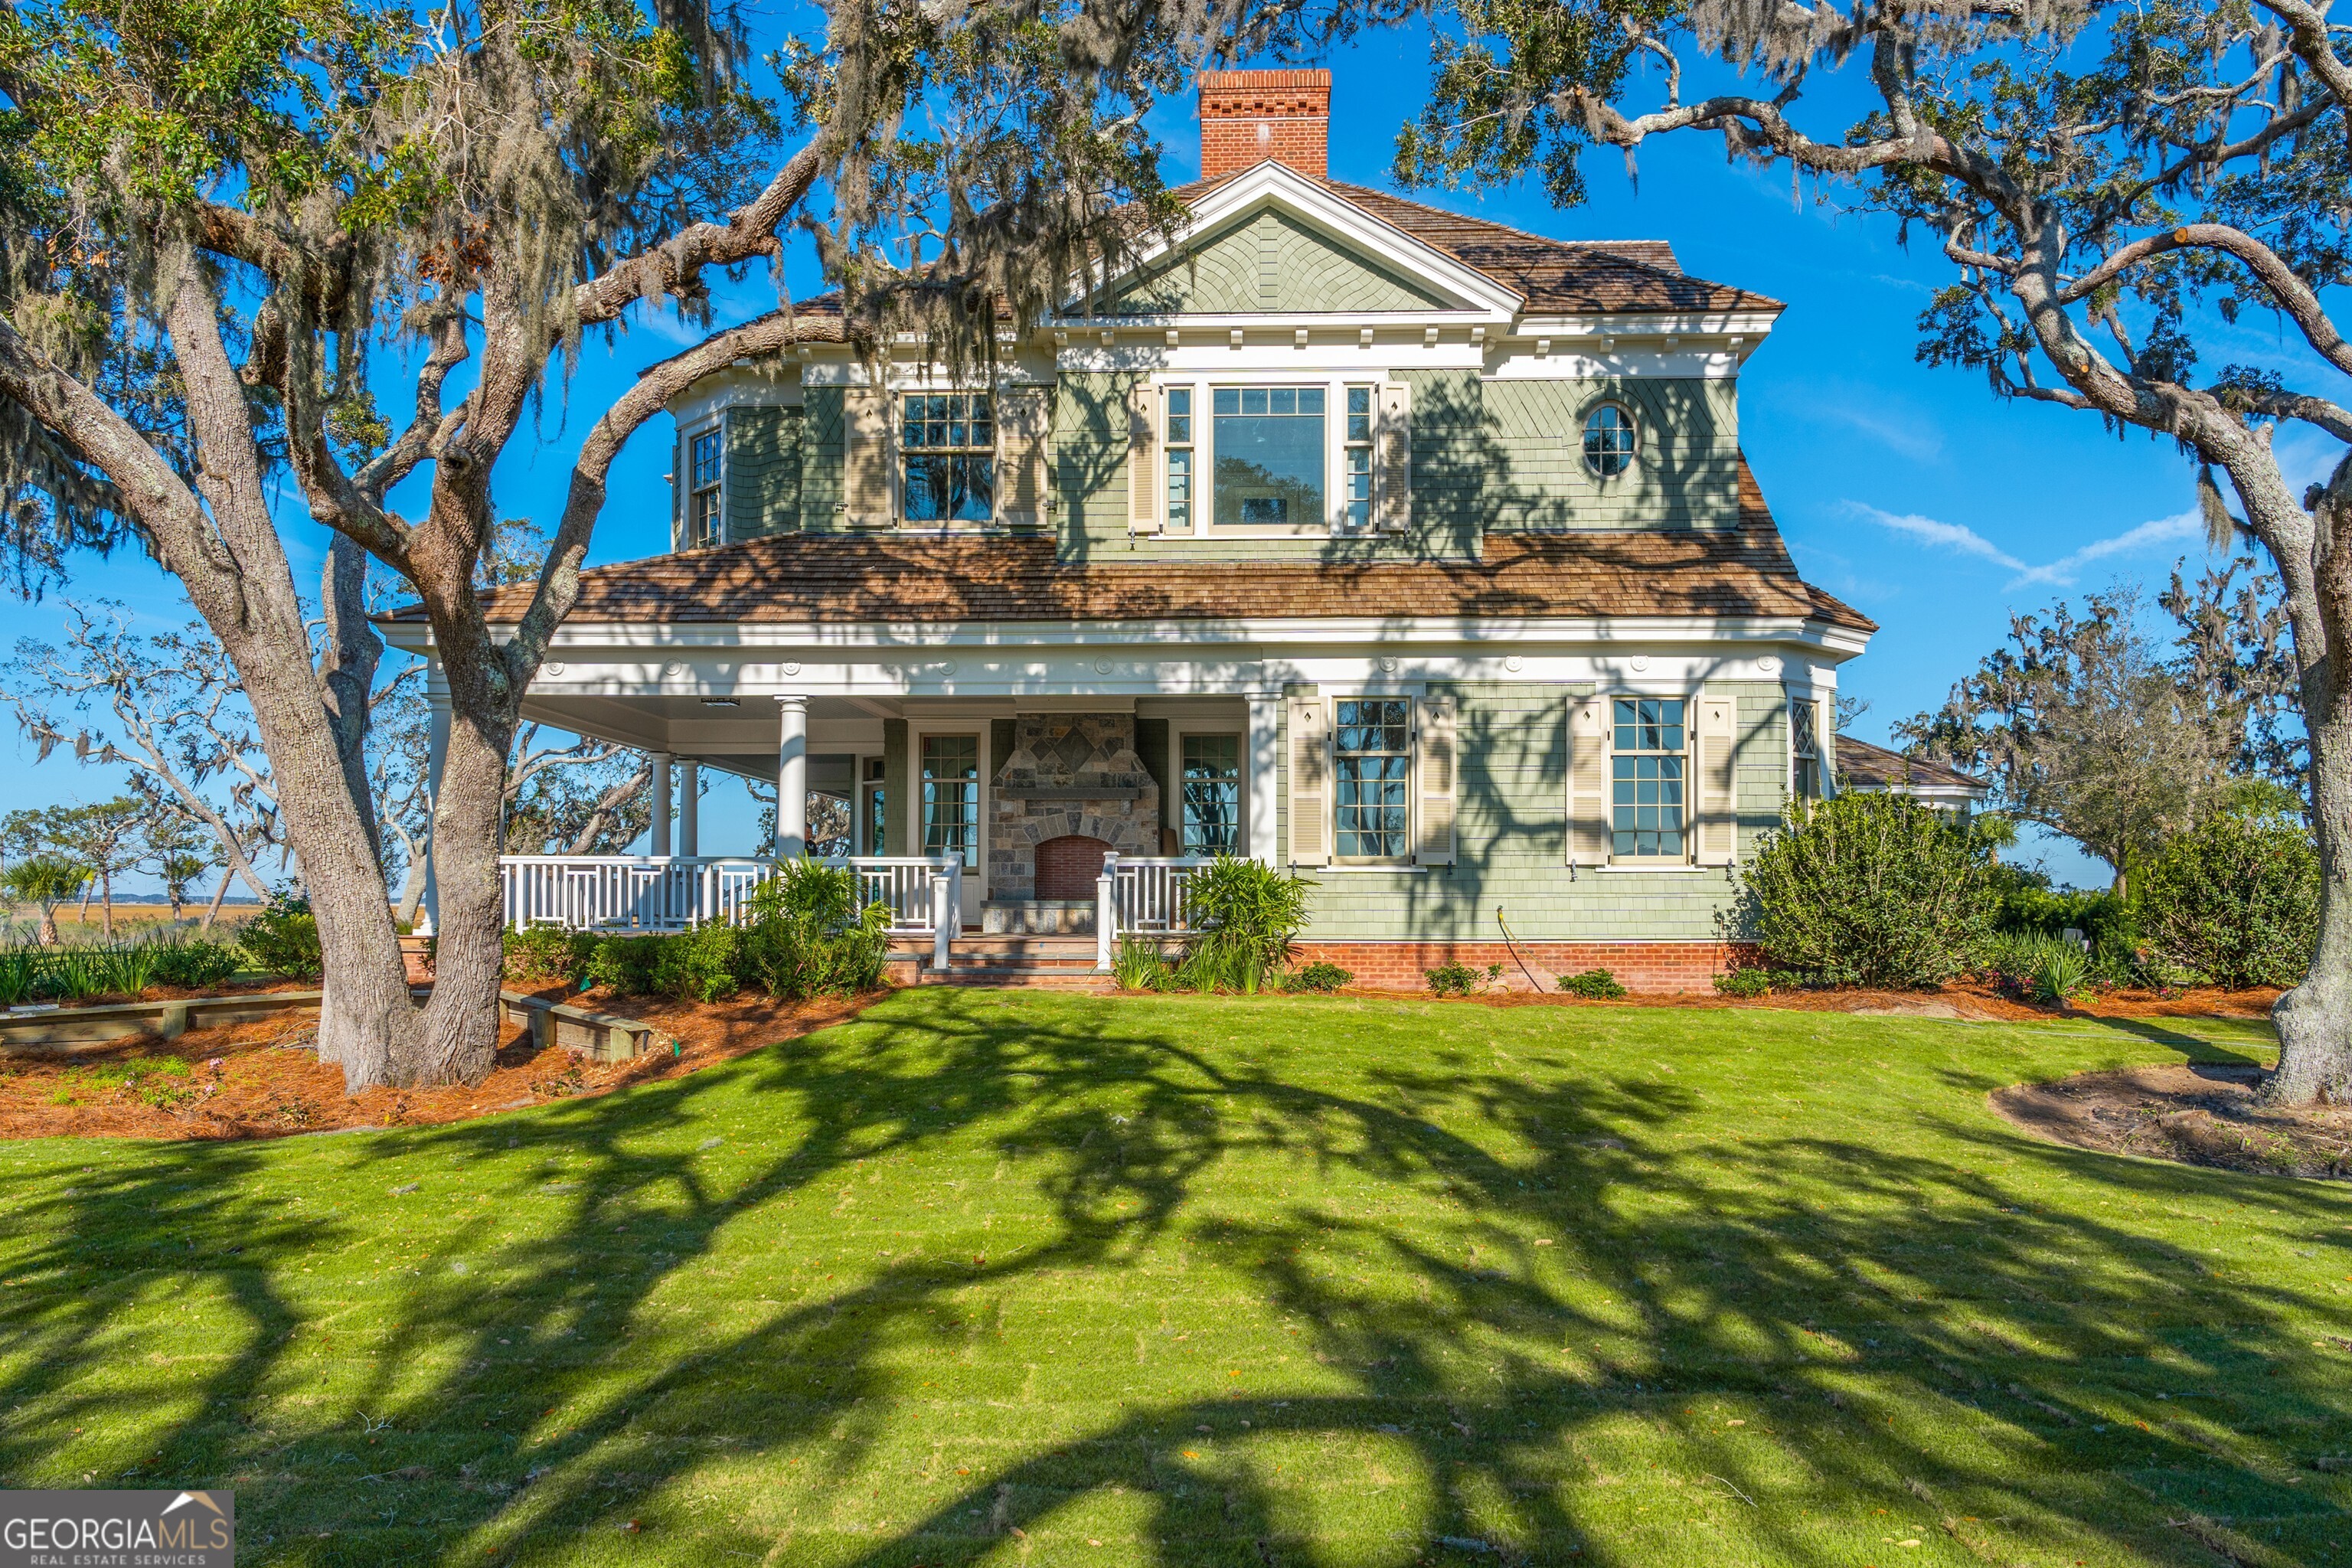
(1513, 1291)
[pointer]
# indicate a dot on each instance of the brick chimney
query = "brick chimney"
(1247, 117)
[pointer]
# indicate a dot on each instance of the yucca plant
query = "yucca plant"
(1140, 965)
(20, 972)
(2061, 972)
(1247, 904)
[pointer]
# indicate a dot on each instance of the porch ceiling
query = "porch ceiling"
(741, 739)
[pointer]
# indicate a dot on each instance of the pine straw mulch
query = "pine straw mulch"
(1967, 1000)
(262, 1080)
(2201, 1114)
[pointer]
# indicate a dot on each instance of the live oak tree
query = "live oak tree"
(215, 214)
(2105, 181)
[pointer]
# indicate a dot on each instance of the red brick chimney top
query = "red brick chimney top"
(1247, 117)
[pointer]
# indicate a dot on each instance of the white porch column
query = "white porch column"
(660, 845)
(690, 796)
(1261, 750)
(436, 757)
(792, 777)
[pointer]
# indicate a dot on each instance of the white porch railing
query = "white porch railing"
(674, 893)
(1136, 896)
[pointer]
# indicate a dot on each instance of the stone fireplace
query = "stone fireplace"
(1071, 790)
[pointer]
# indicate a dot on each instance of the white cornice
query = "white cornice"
(1181, 639)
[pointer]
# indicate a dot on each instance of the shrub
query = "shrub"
(20, 972)
(1248, 905)
(283, 938)
(195, 964)
(1320, 975)
(1745, 983)
(2236, 900)
(807, 937)
(699, 964)
(1460, 979)
(1593, 986)
(546, 955)
(1869, 889)
(625, 965)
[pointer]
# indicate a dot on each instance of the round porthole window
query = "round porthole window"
(1609, 441)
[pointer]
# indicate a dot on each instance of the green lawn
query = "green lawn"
(1069, 1279)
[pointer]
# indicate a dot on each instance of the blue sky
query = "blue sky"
(1910, 492)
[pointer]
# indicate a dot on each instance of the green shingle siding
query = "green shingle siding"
(821, 459)
(763, 472)
(1686, 474)
(1272, 262)
(1510, 833)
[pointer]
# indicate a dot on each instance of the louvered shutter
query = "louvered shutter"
(1392, 459)
(1024, 415)
(1435, 763)
(1142, 449)
(865, 457)
(1588, 781)
(680, 481)
(1713, 757)
(1310, 788)
(1825, 744)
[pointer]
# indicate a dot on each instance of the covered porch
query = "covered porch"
(1054, 823)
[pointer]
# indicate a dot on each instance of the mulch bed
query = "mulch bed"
(2200, 1115)
(262, 1080)
(1965, 999)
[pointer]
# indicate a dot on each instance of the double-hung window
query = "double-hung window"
(1269, 457)
(951, 796)
(702, 491)
(1180, 460)
(948, 444)
(1212, 795)
(1357, 451)
(1648, 778)
(1371, 756)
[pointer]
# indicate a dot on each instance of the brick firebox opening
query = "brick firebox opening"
(1068, 866)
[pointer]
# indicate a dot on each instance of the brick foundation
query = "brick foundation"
(1652, 966)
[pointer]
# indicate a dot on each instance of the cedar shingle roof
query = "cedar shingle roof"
(1553, 275)
(1862, 765)
(900, 577)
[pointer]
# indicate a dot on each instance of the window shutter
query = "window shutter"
(1435, 762)
(1142, 449)
(1024, 414)
(680, 480)
(1392, 459)
(1588, 781)
(1310, 790)
(865, 457)
(1713, 757)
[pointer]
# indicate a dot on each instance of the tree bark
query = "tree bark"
(106, 903)
(2314, 1019)
(220, 896)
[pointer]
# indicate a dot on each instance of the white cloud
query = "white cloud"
(2183, 528)
(1912, 437)
(2179, 529)
(1952, 536)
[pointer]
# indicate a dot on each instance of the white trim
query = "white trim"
(1684, 365)
(713, 422)
(1273, 184)
(1662, 324)
(732, 388)
(1270, 352)
(976, 873)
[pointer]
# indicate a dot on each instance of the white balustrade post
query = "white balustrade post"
(792, 777)
(690, 797)
(1260, 747)
(945, 916)
(1107, 912)
(436, 758)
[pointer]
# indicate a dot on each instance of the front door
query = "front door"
(949, 770)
